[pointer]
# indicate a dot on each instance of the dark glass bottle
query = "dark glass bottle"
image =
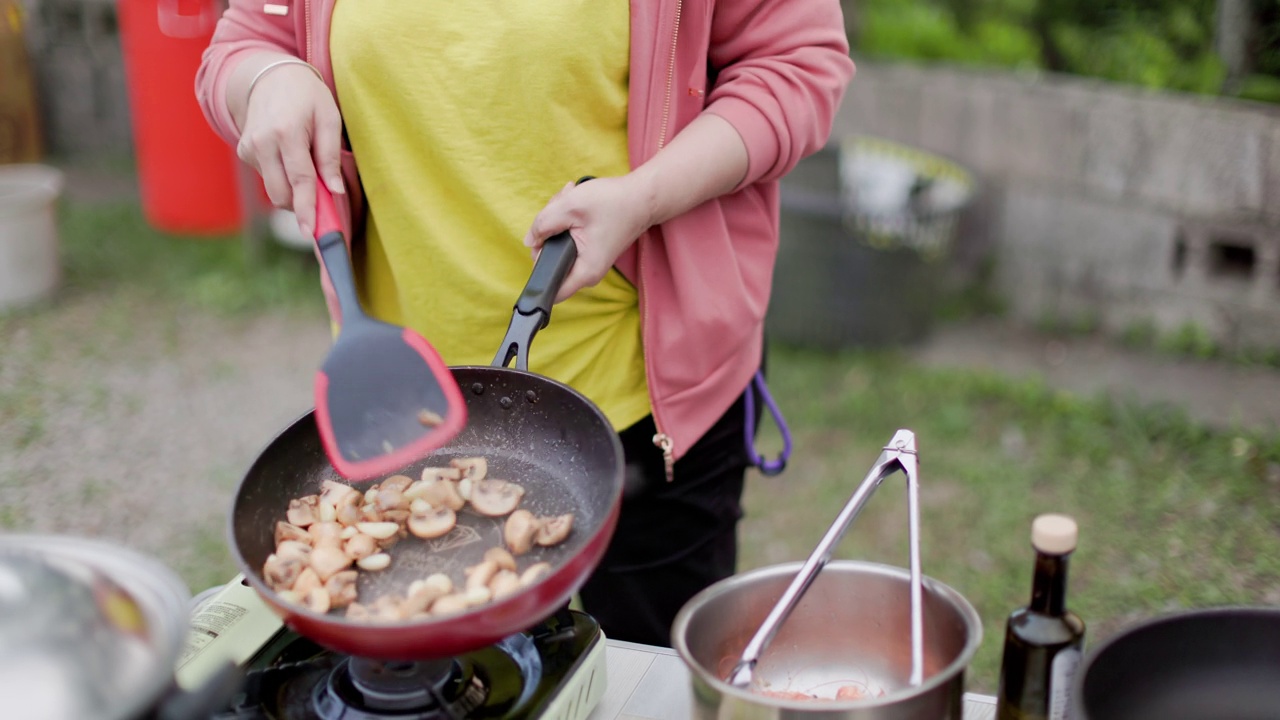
(1044, 641)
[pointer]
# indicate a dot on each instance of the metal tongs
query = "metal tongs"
(899, 454)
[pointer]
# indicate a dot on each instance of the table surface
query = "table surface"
(652, 683)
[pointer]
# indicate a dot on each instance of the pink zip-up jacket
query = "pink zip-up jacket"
(774, 69)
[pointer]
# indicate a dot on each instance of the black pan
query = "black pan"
(532, 429)
(1213, 664)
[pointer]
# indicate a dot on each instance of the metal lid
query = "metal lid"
(88, 630)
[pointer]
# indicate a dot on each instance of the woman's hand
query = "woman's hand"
(604, 216)
(290, 127)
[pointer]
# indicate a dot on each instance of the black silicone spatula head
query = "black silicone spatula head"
(384, 397)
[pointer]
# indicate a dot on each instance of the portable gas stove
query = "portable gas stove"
(554, 671)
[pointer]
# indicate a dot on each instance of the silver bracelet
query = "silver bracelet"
(273, 65)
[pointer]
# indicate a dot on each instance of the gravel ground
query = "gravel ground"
(142, 437)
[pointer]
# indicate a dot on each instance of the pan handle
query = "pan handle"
(533, 308)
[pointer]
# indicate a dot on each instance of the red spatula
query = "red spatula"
(384, 397)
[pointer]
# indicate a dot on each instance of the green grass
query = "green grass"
(111, 246)
(1171, 515)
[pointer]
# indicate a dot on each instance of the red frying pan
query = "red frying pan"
(532, 429)
(384, 397)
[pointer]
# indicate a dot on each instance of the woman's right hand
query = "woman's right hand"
(290, 128)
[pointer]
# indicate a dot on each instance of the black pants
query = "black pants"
(673, 538)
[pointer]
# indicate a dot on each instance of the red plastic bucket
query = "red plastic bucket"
(188, 176)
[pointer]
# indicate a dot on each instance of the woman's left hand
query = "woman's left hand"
(604, 216)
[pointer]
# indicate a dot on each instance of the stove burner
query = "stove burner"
(360, 688)
(292, 678)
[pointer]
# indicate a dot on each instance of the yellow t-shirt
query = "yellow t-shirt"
(466, 118)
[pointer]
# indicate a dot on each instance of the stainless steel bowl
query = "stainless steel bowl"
(850, 630)
(89, 630)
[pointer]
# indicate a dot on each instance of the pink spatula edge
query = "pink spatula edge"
(384, 397)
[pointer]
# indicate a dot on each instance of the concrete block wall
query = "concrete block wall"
(1100, 201)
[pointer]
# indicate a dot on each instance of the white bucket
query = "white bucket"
(29, 265)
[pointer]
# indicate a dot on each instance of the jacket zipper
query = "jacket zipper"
(671, 76)
(661, 439)
(306, 19)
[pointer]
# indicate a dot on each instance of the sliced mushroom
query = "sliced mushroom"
(421, 597)
(307, 581)
(375, 562)
(390, 542)
(357, 612)
(378, 530)
(433, 523)
(439, 473)
(328, 513)
(295, 550)
(440, 581)
(370, 513)
(329, 561)
(534, 573)
(419, 506)
(553, 530)
(302, 511)
(480, 575)
(361, 546)
(289, 531)
(501, 556)
(399, 517)
(290, 597)
(504, 583)
(323, 531)
(371, 495)
(495, 498)
(280, 573)
(316, 600)
(519, 530)
(334, 493)
(388, 608)
(449, 604)
(442, 493)
(397, 483)
(478, 595)
(465, 487)
(348, 515)
(342, 588)
(473, 468)
(391, 499)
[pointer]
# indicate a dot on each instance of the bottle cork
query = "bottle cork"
(1054, 534)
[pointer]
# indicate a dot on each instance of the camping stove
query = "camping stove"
(553, 671)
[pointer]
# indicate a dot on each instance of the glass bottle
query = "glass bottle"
(1043, 641)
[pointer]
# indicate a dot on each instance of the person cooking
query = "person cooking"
(451, 135)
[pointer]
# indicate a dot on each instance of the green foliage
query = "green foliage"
(1163, 44)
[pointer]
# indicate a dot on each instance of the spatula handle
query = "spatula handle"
(333, 252)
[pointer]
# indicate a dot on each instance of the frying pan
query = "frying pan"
(1208, 664)
(532, 430)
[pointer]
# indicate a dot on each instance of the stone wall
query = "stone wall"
(1101, 203)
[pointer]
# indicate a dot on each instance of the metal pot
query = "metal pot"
(1198, 665)
(850, 630)
(88, 630)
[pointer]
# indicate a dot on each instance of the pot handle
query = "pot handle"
(533, 307)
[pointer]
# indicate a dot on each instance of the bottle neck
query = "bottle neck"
(1049, 588)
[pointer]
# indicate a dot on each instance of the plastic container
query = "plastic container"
(865, 226)
(188, 176)
(30, 269)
